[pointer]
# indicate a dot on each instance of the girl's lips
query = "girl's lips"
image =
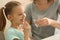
(22, 20)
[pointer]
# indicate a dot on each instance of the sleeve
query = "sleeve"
(28, 12)
(58, 9)
(58, 13)
(11, 35)
(29, 17)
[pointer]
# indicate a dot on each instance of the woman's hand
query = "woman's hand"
(43, 22)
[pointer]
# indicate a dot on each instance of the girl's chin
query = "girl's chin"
(22, 23)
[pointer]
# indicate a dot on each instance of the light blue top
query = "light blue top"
(14, 33)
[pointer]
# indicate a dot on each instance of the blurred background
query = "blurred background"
(24, 2)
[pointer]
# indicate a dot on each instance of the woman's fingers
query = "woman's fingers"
(43, 22)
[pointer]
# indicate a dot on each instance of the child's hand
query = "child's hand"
(26, 26)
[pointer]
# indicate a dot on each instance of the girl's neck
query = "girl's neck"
(15, 25)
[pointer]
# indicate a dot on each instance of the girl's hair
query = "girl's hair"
(7, 9)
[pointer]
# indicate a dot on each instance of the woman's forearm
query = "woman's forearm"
(55, 24)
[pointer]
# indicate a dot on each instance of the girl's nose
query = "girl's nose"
(24, 15)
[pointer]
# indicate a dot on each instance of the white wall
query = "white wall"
(24, 2)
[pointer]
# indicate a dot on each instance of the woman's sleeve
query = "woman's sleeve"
(28, 12)
(58, 9)
(58, 13)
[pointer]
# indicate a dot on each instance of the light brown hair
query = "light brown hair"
(9, 6)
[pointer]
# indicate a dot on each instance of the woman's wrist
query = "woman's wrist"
(51, 22)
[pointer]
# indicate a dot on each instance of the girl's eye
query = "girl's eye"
(19, 14)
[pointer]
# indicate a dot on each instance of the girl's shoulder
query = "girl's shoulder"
(12, 30)
(12, 33)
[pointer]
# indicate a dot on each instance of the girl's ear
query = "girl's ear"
(10, 17)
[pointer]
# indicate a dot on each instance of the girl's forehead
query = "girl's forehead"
(18, 8)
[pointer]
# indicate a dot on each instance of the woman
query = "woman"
(37, 11)
(14, 12)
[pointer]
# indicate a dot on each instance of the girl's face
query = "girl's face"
(17, 15)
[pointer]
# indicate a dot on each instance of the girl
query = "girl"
(14, 12)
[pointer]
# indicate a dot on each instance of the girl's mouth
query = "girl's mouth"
(22, 20)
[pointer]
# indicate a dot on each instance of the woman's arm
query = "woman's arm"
(46, 21)
(55, 24)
